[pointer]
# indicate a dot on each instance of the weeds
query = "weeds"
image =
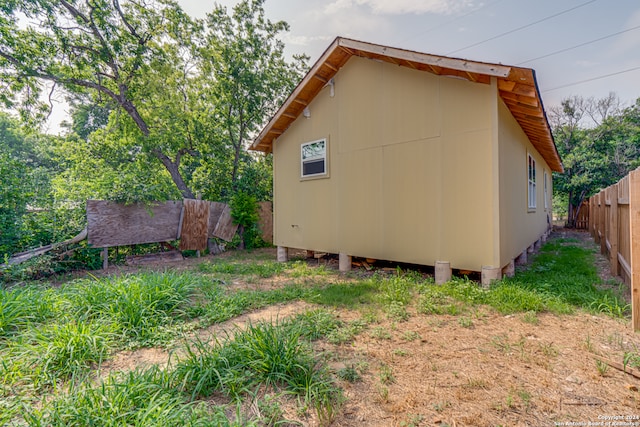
(137, 398)
(386, 375)
(602, 367)
(52, 338)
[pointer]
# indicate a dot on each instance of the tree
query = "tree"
(174, 90)
(25, 190)
(595, 153)
(245, 58)
(98, 47)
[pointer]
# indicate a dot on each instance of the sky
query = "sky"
(576, 47)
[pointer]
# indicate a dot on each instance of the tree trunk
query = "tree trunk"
(172, 167)
(241, 245)
(571, 220)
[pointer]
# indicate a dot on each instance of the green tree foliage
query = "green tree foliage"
(13, 201)
(26, 215)
(244, 211)
(149, 87)
(243, 55)
(599, 143)
(103, 48)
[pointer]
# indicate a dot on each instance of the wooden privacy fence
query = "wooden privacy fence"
(582, 220)
(614, 223)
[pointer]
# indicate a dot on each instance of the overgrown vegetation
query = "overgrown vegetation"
(52, 340)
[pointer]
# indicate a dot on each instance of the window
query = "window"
(532, 182)
(313, 156)
(546, 190)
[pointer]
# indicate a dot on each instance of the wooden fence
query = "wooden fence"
(582, 220)
(614, 223)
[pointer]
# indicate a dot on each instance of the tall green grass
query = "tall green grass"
(561, 278)
(138, 398)
(566, 271)
(23, 305)
(135, 305)
(274, 355)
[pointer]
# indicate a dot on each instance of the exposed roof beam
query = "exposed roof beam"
(423, 58)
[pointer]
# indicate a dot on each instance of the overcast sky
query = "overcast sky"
(511, 32)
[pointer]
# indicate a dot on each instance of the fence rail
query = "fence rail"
(614, 223)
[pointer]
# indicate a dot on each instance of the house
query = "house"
(403, 156)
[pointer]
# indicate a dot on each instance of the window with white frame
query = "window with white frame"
(546, 190)
(313, 158)
(532, 181)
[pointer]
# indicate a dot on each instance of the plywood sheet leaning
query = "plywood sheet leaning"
(215, 212)
(195, 225)
(114, 224)
(265, 211)
(225, 229)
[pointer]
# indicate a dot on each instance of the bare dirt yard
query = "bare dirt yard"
(480, 368)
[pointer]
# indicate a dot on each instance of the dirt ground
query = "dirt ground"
(476, 369)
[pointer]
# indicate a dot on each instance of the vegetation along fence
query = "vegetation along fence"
(614, 223)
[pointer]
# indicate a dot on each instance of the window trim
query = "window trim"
(322, 156)
(531, 183)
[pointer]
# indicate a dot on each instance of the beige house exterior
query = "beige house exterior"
(397, 155)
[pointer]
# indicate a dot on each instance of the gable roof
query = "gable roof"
(517, 88)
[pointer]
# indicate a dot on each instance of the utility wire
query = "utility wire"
(579, 45)
(428, 30)
(523, 27)
(591, 79)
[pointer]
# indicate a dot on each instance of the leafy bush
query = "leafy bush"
(244, 211)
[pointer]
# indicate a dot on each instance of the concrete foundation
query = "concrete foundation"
(510, 269)
(344, 262)
(282, 254)
(442, 272)
(490, 274)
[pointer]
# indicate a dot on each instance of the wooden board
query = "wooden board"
(265, 222)
(215, 212)
(225, 229)
(195, 225)
(114, 224)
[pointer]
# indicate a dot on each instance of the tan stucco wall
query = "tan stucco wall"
(519, 225)
(411, 169)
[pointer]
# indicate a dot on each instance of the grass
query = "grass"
(53, 339)
(566, 273)
(137, 398)
(560, 279)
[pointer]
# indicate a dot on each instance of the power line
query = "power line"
(523, 27)
(579, 45)
(591, 79)
(428, 30)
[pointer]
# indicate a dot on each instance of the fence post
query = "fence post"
(634, 227)
(613, 229)
(604, 222)
(596, 218)
(592, 214)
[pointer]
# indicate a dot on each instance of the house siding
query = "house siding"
(410, 169)
(520, 226)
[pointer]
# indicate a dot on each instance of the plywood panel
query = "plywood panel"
(114, 224)
(225, 229)
(195, 225)
(215, 212)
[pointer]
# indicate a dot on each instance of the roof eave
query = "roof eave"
(517, 87)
